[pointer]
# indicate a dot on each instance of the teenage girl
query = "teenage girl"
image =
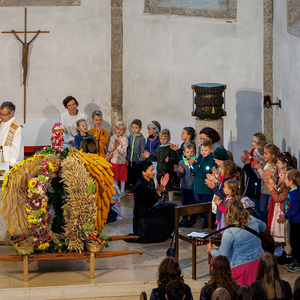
(232, 191)
(268, 171)
(118, 145)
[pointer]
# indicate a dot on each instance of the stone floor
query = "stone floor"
(123, 277)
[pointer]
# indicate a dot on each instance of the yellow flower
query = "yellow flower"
(32, 184)
(43, 208)
(5, 181)
(32, 219)
(21, 163)
(52, 168)
(27, 210)
(43, 246)
(50, 232)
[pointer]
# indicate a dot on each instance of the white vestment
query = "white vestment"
(16, 149)
(69, 123)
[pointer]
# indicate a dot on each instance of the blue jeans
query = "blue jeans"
(203, 198)
(188, 199)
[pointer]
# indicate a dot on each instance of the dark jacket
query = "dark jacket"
(293, 214)
(253, 183)
(187, 177)
(152, 144)
(136, 147)
(160, 292)
(200, 169)
(160, 156)
(285, 286)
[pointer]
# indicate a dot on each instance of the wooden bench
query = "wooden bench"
(191, 210)
(70, 255)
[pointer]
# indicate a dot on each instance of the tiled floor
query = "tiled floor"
(123, 277)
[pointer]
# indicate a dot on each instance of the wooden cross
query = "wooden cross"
(25, 52)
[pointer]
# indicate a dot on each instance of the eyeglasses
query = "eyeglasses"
(4, 115)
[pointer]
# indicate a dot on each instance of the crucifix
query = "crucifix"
(25, 51)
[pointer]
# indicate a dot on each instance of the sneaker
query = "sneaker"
(294, 268)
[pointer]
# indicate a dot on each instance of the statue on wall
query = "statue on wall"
(25, 52)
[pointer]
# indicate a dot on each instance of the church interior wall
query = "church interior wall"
(165, 55)
(73, 59)
(286, 59)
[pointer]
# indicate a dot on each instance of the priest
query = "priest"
(11, 137)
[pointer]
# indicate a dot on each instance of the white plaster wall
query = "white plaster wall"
(286, 83)
(165, 55)
(73, 59)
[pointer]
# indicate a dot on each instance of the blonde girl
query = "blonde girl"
(118, 146)
(279, 194)
(267, 172)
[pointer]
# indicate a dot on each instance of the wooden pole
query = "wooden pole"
(25, 40)
(25, 268)
(92, 265)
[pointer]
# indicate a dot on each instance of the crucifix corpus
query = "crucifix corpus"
(25, 51)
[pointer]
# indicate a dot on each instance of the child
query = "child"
(285, 159)
(166, 158)
(81, 128)
(118, 146)
(135, 149)
(279, 195)
(270, 168)
(201, 168)
(153, 141)
(292, 180)
(232, 191)
(89, 145)
(228, 171)
(257, 137)
(187, 136)
(187, 181)
(100, 133)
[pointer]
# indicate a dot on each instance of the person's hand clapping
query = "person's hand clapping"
(180, 169)
(210, 183)
(245, 159)
(247, 154)
(255, 165)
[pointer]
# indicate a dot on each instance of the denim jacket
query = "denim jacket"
(240, 245)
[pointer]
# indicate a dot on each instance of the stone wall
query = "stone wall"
(286, 82)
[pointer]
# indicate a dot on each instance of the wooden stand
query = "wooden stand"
(71, 255)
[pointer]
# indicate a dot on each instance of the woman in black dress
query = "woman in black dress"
(153, 222)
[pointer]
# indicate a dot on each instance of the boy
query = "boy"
(135, 149)
(200, 168)
(166, 158)
(187, 181)
(100, 133)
